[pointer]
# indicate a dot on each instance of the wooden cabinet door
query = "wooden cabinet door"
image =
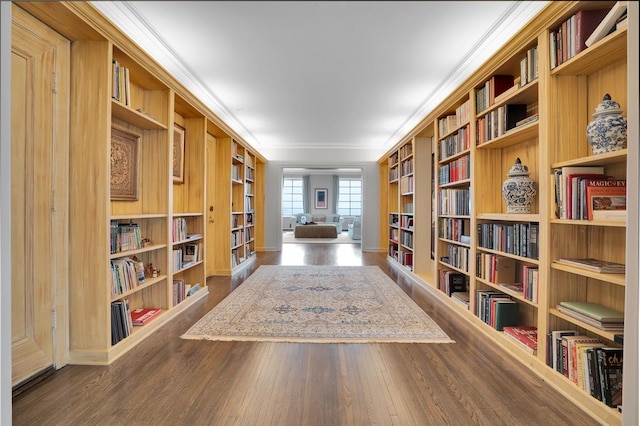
(210, 249)
(39, 170)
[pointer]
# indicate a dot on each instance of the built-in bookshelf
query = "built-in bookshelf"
(497, 268)
(138, 149)
(237, 207)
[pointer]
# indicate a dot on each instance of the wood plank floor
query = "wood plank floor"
(169, 381)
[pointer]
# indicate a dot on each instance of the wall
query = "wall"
(5, 213)
(273, 202)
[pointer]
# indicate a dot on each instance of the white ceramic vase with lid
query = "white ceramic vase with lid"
(608, 130)
(519, 190)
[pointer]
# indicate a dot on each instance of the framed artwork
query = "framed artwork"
(321, 198)
(178, 154)
(125, 165)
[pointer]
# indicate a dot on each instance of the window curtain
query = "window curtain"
(336, 193)
(306, 194)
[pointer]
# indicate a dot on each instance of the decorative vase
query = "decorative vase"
(518, 190)
(608, 130)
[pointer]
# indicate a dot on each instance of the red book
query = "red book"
(586, 22)
(143, 315)
(499, 84)
(526, 336)
(604, 195)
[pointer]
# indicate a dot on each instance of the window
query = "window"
(292, 196)
(350, 197)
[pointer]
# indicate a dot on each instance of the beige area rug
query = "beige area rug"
(318, 304)
(343, 238)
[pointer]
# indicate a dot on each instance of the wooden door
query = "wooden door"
(211, 196)
(39, 170)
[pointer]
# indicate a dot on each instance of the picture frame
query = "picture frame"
(125, 165)
(178, 154)
(321, 198)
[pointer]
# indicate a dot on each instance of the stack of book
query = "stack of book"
(525, 336)
(594, 314)
(595, 265)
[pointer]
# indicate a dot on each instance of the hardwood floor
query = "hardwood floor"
(169, 381)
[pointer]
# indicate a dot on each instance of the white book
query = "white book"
(607, 23)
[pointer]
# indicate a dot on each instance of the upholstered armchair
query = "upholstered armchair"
(355, 229)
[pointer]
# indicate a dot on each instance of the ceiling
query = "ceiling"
(304, 80)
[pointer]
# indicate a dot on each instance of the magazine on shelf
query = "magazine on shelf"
(595, 265)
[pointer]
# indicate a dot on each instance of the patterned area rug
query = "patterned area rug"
(318, 304)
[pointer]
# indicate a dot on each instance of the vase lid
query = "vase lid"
(607, 106)
(518, 169)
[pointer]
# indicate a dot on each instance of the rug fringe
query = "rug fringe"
(309, 340)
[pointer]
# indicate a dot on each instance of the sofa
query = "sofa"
(355, 229)
(325, 218)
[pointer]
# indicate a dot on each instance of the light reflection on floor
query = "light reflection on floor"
(339, 255)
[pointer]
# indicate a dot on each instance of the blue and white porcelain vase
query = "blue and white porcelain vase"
(608, 130)
(518, 190)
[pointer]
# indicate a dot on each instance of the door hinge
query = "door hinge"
(53, 200)
(54, 319)
(55, 83)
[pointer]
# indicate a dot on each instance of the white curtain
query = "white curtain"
(336, 193)
(306, 194)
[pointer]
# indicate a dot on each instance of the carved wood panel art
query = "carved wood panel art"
(125, 159)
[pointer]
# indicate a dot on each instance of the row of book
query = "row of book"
(458, 257)
(455, 143)
(453, 201)
(186, 255)
(588, 362)
(451, 122)
(123, 319)
(452, 282)
(496, 309)
(499, 121)
(586, 193)
(582, 29)
(492, 88)
(454, 229)
(182, 290)
(406, 239)
(126, 274)
(121, 88)
(528, 286)
(520, 239)
(125, 237)
(456, 170)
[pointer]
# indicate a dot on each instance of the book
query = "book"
(572, 361)
(556, 347)
(512, 114)
(607, 24)
(498, 84)
(143, 316)
(610, 369)
(505, 313)
(595, 265)
(573, 193)
(525, 336)
(605, 195)
(503, 270)
(595, 310)
(586, 23)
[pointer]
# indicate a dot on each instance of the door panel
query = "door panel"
(211, 195)
(37, 216)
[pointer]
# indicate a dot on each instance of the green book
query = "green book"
(507, 313)
(595, 311)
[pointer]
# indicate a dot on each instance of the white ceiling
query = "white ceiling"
(299, 78)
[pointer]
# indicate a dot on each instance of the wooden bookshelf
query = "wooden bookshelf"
(147, 120)
(564, 99)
